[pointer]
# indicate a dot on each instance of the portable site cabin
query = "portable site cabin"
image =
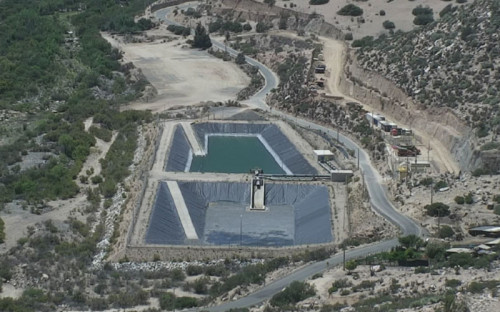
(369, 117)
(385, 126)
(377, 119)
(323, 155)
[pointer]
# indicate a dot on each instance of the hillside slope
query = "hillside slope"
(453, 63)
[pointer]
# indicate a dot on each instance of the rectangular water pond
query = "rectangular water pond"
(235, 154)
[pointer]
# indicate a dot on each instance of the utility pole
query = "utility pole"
(428, 151)
(432, 193)
(344, 258)
(345, 212)
(358, 157)
(241, 229)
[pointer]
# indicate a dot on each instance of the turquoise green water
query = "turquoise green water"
(228, 154)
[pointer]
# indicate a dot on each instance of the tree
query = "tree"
(201, 38)
(240, 59)
(459, 200)
(318, 2)
(350, 10)
(2, 231)
(261, 27)
(296, 292)
(445, 231)
(351, 266)
(437, 209)
(411, 241)
(388, 25)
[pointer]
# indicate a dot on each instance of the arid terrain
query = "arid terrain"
(69, 253)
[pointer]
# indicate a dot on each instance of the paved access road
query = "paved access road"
(374, 183)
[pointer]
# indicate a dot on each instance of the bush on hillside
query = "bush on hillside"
(423, 19)
(437, 209)
(350, 10)
(388, 25)
(318, 2)
(296, 292)
(445, 231)
(420, 10)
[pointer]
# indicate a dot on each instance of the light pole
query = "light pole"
(241, 229)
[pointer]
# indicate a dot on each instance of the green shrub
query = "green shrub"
(426, 181)
(382, 13)
(261, 27)
(446, 10)
(421, 270)
(96, 179)
(423, 19)
(490, 146)
(459, 200)
(179, 30)
(441, 184)
(240, 59)
(388, 25)
(366, 41)
(348, 37)
(169, 302)
(350, 10)
(295, 292)
(192, 270)
(339, 284)
(364, 285)
(318, 2)
(496, 209)
(479, 172)
(445, 231)
(419, 10)
(437, 210)
(453, 283)
(2, 231)
(101, 133)
(469, 198)
(201, 38)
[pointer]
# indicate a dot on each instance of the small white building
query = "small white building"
(323, 155)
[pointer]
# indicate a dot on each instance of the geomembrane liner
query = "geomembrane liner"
(180, 153)
(296, 214)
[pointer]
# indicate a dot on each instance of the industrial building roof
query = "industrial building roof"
(323, 152)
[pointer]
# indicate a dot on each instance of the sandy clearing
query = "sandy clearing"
(87, 123)
(181, 76)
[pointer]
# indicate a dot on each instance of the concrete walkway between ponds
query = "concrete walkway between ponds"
(195, 144)
(182, 210)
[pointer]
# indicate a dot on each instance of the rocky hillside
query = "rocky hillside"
(454, 62)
